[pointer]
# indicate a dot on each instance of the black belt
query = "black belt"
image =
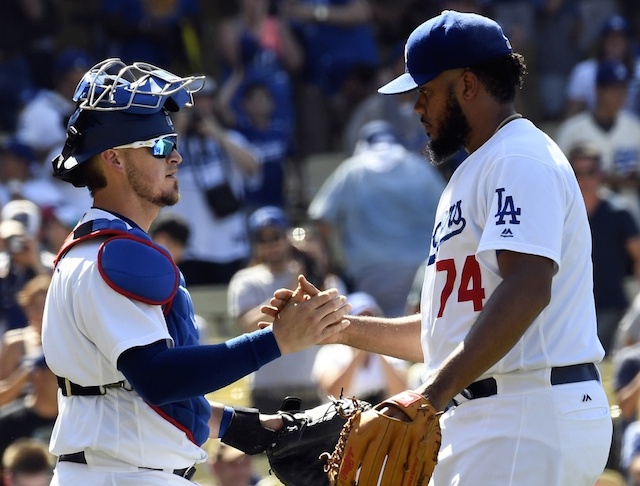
(69, 388)
(560, 375)
(79, 458)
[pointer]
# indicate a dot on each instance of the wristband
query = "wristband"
(227, 417)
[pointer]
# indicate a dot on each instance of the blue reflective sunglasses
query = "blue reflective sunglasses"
(160, 148)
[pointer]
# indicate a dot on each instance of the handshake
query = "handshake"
(306, 316)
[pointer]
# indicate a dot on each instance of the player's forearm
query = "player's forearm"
(163, 375)
(398, 337)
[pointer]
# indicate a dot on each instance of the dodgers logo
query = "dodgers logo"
(506, 209)
(452, 223)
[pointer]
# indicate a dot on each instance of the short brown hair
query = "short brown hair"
(584, 150)
(92, 174)
(27, 456)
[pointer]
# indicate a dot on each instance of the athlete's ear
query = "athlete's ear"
(112, 159)
(470, 84)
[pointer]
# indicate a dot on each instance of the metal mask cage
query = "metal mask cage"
(139, 88)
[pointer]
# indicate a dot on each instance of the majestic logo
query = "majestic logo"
(506, 209)
(506, 233)
(452, 223)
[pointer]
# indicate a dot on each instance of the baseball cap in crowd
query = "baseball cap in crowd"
(26, 212)
(377, 131)
(615, 23)
(363, 303)
(72, 59)
(19, 149)
(612, 72)
(267, 216)
(10, 228)
(66, 214)
(373, 134)
(451, 40)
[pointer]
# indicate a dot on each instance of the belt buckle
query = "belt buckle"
(188, 472)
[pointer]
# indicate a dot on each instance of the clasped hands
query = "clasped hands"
(306, 316)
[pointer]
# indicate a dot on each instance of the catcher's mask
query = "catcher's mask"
(117, 104)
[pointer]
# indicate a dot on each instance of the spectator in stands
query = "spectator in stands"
(35, 414)
(27, 39)
(380, 206)
(22, 258)
(161, 33)
(256, 45)
(215, 163)
(615, 43)
(616, 242)
(232, 467)
(27, 462)
(343, 370)
(172, 232)
(21, 346)
(615, 131)
(629, 327)
(42, 122)
(630, 460)
(517, 19)
(57, 222)
(275, 264)
(19, 177)
(557, 37)
(337, 37)
(397, 110)
(272, 145)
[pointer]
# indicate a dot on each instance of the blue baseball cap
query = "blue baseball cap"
(72, 59)
(267, 216)
(377, 131)
(612, 72)
(451, 40)
(615, 23)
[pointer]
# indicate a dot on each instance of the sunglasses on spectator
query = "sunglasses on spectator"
(587, 173)
(266, 239)
(160, 148)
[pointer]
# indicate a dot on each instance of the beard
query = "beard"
(145, 190)
(454, 132)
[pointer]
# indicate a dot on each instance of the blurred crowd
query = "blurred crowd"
(288, 81)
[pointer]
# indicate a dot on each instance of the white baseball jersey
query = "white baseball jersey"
(517, 192)
(87, 325)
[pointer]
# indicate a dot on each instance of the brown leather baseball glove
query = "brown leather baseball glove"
(377, 449)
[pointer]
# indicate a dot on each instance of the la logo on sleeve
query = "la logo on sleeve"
(506, 209)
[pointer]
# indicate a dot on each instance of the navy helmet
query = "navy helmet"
(117, 104)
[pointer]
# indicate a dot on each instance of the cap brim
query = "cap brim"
(401, 84)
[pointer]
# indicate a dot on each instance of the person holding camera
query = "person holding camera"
(19, 348)
(22, 258)
(215, 164)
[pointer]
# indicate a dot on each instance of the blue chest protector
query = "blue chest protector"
(134, 266)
